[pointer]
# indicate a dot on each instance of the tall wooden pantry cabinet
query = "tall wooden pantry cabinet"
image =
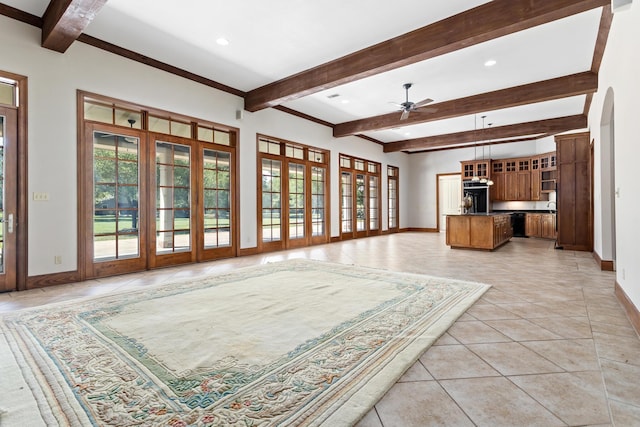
(574, 207)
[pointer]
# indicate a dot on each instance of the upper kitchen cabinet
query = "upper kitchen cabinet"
(479, 168)
(548, 173)
(548, 161)
(574, 210)
(518, 179)
(536, 179)
(498, 177)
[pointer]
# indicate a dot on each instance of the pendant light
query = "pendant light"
(483, 180)
(490, 182)
(475, 177)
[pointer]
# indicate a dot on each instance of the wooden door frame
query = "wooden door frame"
(22, 190)
(438, 175)
(89, 268)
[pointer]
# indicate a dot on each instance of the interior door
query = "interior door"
(450, 197)
(8, 197)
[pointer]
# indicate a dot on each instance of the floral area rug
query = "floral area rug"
(291, 343)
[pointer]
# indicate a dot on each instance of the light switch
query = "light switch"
(40, 197)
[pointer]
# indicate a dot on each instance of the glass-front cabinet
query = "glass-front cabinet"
(475, 169)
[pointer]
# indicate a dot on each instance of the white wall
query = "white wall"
(53, 80)
(619, 73)
(425, 166)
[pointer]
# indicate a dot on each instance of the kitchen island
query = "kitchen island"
(479, 231)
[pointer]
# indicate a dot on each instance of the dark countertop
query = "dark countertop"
(482, 214)
(543, 211)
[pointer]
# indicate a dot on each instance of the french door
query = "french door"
(8, 197)
(155, 200)
(115, 224)
(288, 189)
(360, 191)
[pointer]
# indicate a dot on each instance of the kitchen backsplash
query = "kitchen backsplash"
(526, 206)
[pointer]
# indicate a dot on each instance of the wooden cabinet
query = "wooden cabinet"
(517, 186)
(497, 176)
(548, 174)
(478, 231)
(502, 230)
(548, 161)
(548, 226)
(524, 179)
(479, 168)
(536, 179)
(540, 225)
(575, 226)
(532, 225)
(498, 187)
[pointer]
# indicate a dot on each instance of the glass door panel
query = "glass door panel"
(318, 202)
(116, 233)
(271, 200)
(346, 203)
(173, 198)
(393, 203)
(361, 207)
(217, 201)
(374, 218)
(297, 211)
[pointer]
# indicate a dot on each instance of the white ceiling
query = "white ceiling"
(271, 40)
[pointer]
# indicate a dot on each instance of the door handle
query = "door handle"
(10, 224)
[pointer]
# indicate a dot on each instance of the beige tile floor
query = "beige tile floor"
(547, 345)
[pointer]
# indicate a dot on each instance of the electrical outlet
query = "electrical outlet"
(57, 259)
(40, 197)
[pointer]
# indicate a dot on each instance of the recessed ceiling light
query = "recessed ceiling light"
(222, 41)
(345, 101)
(407, 133)
(490, 63)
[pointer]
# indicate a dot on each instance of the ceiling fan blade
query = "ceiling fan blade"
(423, 102)
(426, 110)
(404, 115)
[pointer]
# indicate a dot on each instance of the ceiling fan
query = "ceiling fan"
(407, 106)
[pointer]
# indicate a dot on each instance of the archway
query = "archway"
(608, 184)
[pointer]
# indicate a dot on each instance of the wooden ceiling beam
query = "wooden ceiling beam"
(550, 126)
(65, 20)
(485, 22)
(547, 90)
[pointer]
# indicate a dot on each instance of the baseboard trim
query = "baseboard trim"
(604, 265)
(52, 279)
(248, 251)
(420, 230)
(632, 311)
